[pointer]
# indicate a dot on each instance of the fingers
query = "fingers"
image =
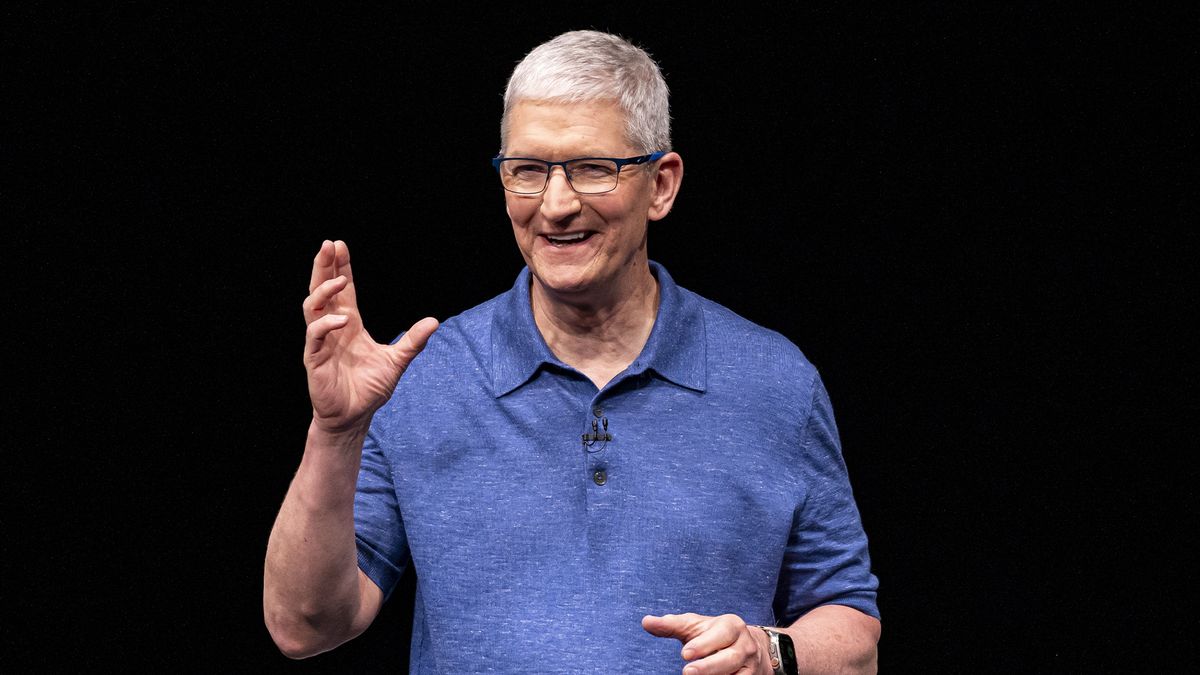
(332, 259)
(318, 330)
(718, 634)
(682, 627)
(722, 644)
(320, 298)
(323, 269)
(740, 657)
(332, 262)
(341, 259)
(726, 647)
(341, 265)
(407, 347)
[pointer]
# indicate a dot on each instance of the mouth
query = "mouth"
(564, 240)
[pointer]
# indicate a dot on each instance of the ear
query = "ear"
(667, 179)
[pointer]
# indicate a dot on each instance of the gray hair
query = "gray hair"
(587, 65)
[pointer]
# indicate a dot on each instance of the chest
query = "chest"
(554, 473)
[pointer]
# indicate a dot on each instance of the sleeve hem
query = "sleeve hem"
(863, 602)
(378, 569)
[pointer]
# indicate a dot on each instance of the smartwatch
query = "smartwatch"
(782, 651)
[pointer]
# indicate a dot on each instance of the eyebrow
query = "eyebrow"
(590, 152)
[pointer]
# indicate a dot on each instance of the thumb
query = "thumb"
(683, 627)
(406, 348)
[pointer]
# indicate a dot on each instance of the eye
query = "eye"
(526, 169)
(593, 169)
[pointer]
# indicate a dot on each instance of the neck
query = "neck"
(598, 336)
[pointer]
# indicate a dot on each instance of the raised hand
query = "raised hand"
(714, 644)
(350, 375)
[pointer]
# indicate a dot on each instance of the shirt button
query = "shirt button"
(597, 411)
(600, 477)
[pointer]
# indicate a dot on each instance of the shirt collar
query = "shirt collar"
(675, 350)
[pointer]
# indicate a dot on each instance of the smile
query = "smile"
(568, 239)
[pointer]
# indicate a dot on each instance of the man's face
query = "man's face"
(580, 246)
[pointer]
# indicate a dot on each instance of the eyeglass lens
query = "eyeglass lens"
(588, 176)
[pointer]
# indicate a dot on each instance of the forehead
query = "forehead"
(564, 130)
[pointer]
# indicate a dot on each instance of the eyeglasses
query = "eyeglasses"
(586, 175)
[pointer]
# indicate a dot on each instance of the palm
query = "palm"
(349, 374)
(352, 378)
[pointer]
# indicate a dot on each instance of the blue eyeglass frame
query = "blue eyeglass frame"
(620, 162)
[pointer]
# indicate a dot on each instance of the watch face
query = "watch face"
(788, 654)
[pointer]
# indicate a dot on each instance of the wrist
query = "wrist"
(348, 437)
(779, 651)
(334, 452)
(763, 640)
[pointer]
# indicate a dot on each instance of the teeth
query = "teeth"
(568, 237)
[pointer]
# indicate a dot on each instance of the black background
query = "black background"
(978, 224)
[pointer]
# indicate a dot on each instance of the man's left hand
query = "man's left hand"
(714, 645)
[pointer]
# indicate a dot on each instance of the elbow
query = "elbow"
(302, 628)
(296, 636)
(867, 658)
(294, 649)
(306, 631)
(291, 642)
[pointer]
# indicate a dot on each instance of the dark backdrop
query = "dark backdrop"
(976, 223)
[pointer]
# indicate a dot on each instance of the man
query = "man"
(588, 463)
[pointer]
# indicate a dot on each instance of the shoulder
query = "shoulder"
(756, 352)
(471, 330)
(460, 345)
(763, 385)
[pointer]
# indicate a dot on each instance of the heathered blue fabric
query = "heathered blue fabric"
(725, 492)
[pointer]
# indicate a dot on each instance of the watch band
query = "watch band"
(780, 650)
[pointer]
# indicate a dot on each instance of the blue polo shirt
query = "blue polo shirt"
(544, 518)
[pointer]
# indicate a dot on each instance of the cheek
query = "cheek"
(519, 211)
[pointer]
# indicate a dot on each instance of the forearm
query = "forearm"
(311, 596)
(836, 639)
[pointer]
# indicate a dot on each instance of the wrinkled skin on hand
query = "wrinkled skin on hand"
(350, 375)
(714, 644)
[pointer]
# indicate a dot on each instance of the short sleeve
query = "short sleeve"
(378, 527)
(826, 561)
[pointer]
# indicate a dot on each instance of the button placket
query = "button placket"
(598, 435)
(595, 440)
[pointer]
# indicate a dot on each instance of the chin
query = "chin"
(563, 281)
(565, 285)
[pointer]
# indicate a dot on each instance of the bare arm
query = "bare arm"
(836, 639)
(314, 596)
(829, 639)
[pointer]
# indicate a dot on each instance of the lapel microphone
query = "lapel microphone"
(590, 439)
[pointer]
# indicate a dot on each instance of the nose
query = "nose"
(559, 199)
